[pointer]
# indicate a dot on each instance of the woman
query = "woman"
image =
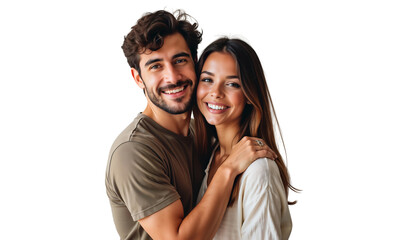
(233, 101)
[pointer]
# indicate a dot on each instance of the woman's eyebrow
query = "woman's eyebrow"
(208, 73)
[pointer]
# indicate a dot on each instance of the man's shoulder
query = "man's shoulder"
(140, 128)
(139, 134)
(136, 145)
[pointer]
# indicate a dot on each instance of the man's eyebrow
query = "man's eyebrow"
(182, 54)
(151, 61)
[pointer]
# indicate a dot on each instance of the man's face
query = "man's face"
(168, 75)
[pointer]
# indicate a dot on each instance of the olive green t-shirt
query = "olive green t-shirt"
(149, 168)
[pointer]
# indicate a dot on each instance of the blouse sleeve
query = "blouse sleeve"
(263, 201)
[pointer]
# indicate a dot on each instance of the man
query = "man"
(153, 176)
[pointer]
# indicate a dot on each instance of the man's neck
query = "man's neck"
(176, 123)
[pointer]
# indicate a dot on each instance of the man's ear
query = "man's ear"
(137, 78)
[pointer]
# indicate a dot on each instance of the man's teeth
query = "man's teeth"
(174, 90)
(215, 107)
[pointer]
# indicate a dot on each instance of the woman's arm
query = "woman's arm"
(265, 207)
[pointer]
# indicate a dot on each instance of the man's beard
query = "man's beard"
(162, 104)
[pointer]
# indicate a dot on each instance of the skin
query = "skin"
(220, 87)
(168, 69)
(221, 101)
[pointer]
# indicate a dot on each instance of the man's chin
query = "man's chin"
(172, 106)
(176, 110)
(177, 106)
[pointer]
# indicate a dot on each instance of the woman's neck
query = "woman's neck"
(228, 136)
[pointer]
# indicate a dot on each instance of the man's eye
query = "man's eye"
(156, 66)
(182, 60)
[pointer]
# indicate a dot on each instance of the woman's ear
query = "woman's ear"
(137, 78)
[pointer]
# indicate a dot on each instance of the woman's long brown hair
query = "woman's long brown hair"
(258, 118)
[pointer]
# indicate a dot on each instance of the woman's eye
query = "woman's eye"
(235, 85)
(205, 80)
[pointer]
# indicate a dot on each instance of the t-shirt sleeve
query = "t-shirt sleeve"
(262, 201)
(139, 175)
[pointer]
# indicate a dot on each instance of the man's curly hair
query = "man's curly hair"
(150, 30)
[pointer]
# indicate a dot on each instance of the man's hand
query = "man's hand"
(203, 221)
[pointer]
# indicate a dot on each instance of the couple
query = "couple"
(155, 177)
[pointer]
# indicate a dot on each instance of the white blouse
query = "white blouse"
(261, 209)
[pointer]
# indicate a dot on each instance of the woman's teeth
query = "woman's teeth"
(215, 107)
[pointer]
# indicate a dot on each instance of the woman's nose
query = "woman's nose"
(216, 91)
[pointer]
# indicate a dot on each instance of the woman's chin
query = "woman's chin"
(212, 121)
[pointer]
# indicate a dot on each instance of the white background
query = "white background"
(334, 69)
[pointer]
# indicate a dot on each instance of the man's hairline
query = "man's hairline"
(144, 51)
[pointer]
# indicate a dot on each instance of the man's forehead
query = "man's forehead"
(146, 52)
(173, 45)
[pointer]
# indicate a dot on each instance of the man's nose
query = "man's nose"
(171, 74)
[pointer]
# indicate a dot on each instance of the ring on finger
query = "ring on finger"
(260, 143)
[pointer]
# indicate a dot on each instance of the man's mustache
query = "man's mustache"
(178, 84)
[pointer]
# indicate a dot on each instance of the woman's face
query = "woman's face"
(219, 93)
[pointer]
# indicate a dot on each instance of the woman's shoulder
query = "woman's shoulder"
(262, 170)
(262, 165)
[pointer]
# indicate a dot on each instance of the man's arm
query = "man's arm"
(203, 221)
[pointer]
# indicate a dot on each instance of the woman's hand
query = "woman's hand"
(246, 151)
